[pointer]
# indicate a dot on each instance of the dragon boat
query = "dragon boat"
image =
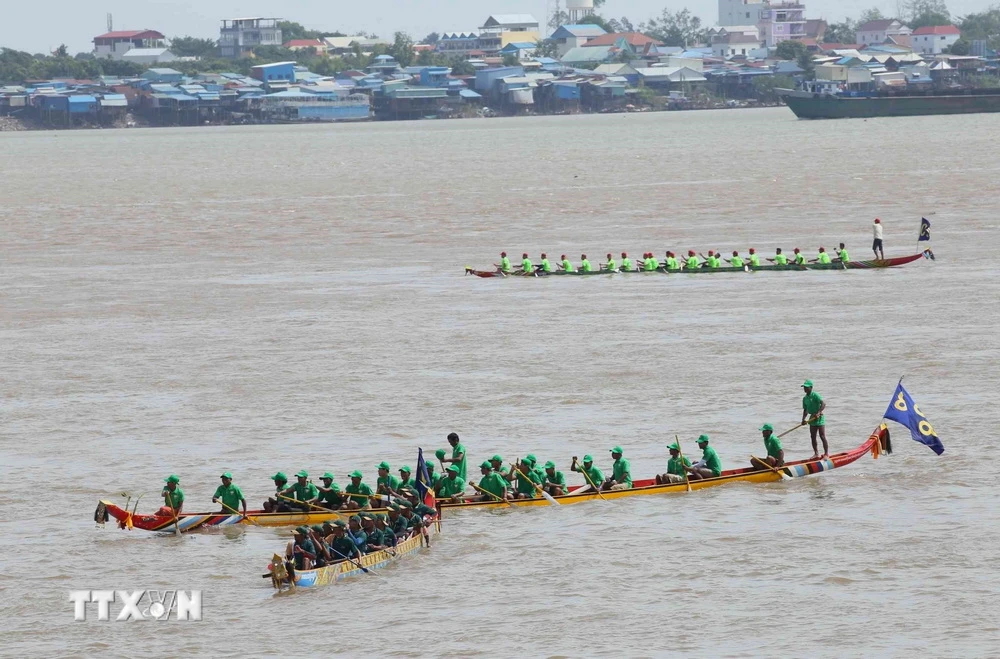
(836, 265)
(191, 521)
(876, 444)
(284, 577)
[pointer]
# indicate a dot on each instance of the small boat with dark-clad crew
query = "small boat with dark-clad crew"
(191, 521)
(836, 265)
(876, 444)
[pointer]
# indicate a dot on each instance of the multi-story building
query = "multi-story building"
(876, 32)
(740, 12)
(782, 21)
(577, 9)
(113, 45)
(239, 36)
(502, 29)
(568, 37)
(934, 39)
(458, 43)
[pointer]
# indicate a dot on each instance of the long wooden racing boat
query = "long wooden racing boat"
(836, 265)
(191, 521)
(876, 444)
(285, 577)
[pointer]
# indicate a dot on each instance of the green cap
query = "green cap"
(453, 468)
(406, 468)
(302, 474)
(318, 528)
(550, 465)
(617, 449)
(172, 478)
(532, 459)
(280, 476)
(807, 383)
(340, 524)
(588, 458)
(355, 474)
(302, 530)
(384, 465)
(394, 507)
(429, 466)
(227, 475)
(703, 439)
(327, 523)
(497, 458)
(326, 476)
(403, 503)
(766, 426)
(486, 465)
(674, 447)
(440, 454)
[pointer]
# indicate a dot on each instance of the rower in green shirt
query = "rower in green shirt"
(173, 496)
(626, 262)
(538, 471)
(362, 493)
(671, 263)
(779, 258)
(302, 494)
(585, 264)
(692, 261)
(813, 407)
(591, 474)
(709, 466)
(555, 481)
(399, 522)
(823, 258)
(545, 266)
(800, 258)
(754, 258)
(611, 266)
(775, 453)
(736, 261)
(435, 478)
(404, 478)
(842, 253)
(649, 263)
(274, 504)
(385, 484)
(526, 266)
(676, 467)
(504, 265)
(453, 485)
(565, 264)
(329, 493)
(491, 483)
(497, 463)
(711, 261)
(527, 479)
(458, 457)
(621, 472)
(229, 495)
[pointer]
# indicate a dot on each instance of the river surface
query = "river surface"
(254, 299)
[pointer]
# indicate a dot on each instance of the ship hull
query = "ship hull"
(808, 105)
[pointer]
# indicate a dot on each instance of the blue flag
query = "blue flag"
(925, 229)
(424, 485)
(904, 411)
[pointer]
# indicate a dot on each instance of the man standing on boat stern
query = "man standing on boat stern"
(877, 242)
(621, 472)
(458, 455)
(229, 495)
(813, 407)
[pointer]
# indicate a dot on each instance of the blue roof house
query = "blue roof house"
(160, 75)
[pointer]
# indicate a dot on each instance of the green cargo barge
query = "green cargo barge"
(815, 105)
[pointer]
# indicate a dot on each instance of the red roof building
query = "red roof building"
(934, 39)
(635, 39)
(302, 44)
(112, 45)
(937, 29)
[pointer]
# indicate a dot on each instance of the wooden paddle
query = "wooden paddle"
(173, 511)
(793, 428)
(680, 455)
(587, 476)
(314, 506)
(548, 497)
(236, 512)
(495, 497)
(784, 476)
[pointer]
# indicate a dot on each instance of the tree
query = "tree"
(622, 24)
(594, 19)
(510, 59)
(558, 17)
(869, 15)
(402, 48)
(845, 32)
(61, 51)
(461, 66)
(961, 47)
(984, 25)
(790, 50)
(546, 48)
(194, 47)
(923, 13)
(764, 86)
(681, 28)
(431, 38)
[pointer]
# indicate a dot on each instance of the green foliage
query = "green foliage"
(845, 32)
(461, 67)
(680, 28)
(790, 50)
(546, 48)
(61, 51)
(982, 26)
(594, 19)
(510, 60)
(402, 49)
(16, 67)
(622, 24)
(922, 13)
(872, 14)
(557, 19)
(764, 86)
(194, 47)
(983, 82)
(292, 30)
(961, 47)
(431, 38)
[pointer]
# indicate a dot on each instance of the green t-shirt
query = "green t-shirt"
(505, 264)
(174, 499)
(611, 265)
(558, 479)
(811, 404)
(524, 483)
(780, 259)
(332, 496)
(800, 258)
(360, 489)
(626, 264)
(755, 260)
(231, 496)
(674, 466)
(341, 548)
(400, 525)
(596, 477)
(692, 262)
(452, 486)
(672, 263)
(824, 258)
(567, 266)
(408, 483)
(546, 266)
(843, 256)
(712, 460)
(304, 492)
(736, 262)
(650, 264)
(460, 448)
(622, 471)
(585, 266)
(773, 445)
(493, 483)
(526, 265)
(391, 482)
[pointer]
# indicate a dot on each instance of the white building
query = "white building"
(568, 37)
(239, 36)
(876, 32)
(149, 56)
(113, 45)
(735, 43)
(502, 29)
(740, 12)
(934, 39)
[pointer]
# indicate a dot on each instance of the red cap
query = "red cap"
(503, 253)
(524, 256)
(609, 255)
(877, 221)
(711, 253)
(753, 251)
(544, 256)
(670, 253)
(735, 253)
(562, 258)
(796, 250)
(690, 252)
(583, 256)
(821, 249)
(624, 254)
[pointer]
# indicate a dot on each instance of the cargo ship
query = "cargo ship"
(845, 105)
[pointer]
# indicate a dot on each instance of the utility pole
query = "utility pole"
(111, 23)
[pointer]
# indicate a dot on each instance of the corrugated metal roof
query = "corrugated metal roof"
(114, 102)
(468, 93)
(83, 98)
